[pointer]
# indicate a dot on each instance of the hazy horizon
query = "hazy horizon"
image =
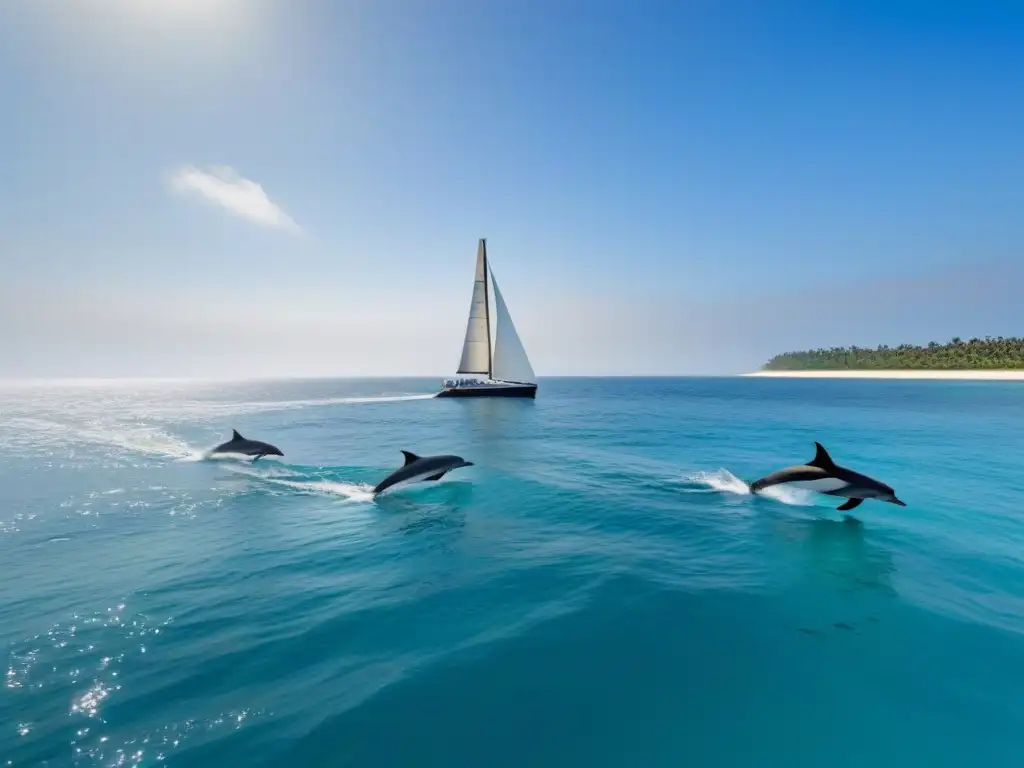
(239, 189)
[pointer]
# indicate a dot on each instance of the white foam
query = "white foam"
(721, 480)
(146, 440)
(51, 435)
(724, 481)
(350, 491)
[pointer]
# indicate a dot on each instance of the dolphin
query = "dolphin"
(421, 468)
(254, 448)
(823, 475)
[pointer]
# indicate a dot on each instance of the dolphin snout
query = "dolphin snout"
(467, 463)
(897, 502)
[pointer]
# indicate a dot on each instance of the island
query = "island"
(997, 357)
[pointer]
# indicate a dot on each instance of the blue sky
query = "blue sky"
(261, 187)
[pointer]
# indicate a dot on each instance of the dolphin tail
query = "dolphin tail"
(849, 504)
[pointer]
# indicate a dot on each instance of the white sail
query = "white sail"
(476, 349)
(510, 360)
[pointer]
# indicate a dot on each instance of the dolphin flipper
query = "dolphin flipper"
(849, 504)
(438, 476)
(257, 457)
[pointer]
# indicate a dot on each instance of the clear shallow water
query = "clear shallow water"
(599, 590)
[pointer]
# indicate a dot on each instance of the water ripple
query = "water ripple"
(601, 580)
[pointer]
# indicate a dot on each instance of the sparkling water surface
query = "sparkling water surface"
(600, 589)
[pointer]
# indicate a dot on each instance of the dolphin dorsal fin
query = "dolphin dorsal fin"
(235, 435)
(410, 457)
(821, 458)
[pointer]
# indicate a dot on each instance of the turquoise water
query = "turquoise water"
(598, 590)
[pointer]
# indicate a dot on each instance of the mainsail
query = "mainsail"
(507, 360)
(510, 360)
(476, 349)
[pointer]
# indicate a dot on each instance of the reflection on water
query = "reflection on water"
(497, 428)
(436, 521)
(842, 550)
(429, 509)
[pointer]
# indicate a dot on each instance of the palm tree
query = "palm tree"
(991, 353)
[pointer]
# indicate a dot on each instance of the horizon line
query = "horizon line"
(334, 377)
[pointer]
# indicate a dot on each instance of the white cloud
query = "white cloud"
(225, 187)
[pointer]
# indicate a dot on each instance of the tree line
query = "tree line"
(993, 353)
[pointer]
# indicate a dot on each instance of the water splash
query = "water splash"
(351, 491)
(724, 481)
(360, 492)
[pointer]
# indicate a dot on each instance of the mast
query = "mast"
(487, 312)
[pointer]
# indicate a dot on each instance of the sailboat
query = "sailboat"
(498, 369)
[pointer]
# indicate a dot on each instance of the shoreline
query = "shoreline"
(922, 374)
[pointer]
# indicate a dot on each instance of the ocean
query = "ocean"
(599, 589)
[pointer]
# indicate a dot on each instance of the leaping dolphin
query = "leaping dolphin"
(823, 475)
(254, 448)
(421, 468)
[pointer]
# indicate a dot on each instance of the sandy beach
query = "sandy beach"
(948, 375)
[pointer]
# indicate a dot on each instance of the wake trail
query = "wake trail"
(369, 399)
(147, 441)
(302, 483)
(360, 492)
(724, 481)
(93, 426)
(205, 409)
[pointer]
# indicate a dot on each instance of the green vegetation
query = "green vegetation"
(989, 353)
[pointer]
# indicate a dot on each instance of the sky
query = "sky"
(296, 187)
